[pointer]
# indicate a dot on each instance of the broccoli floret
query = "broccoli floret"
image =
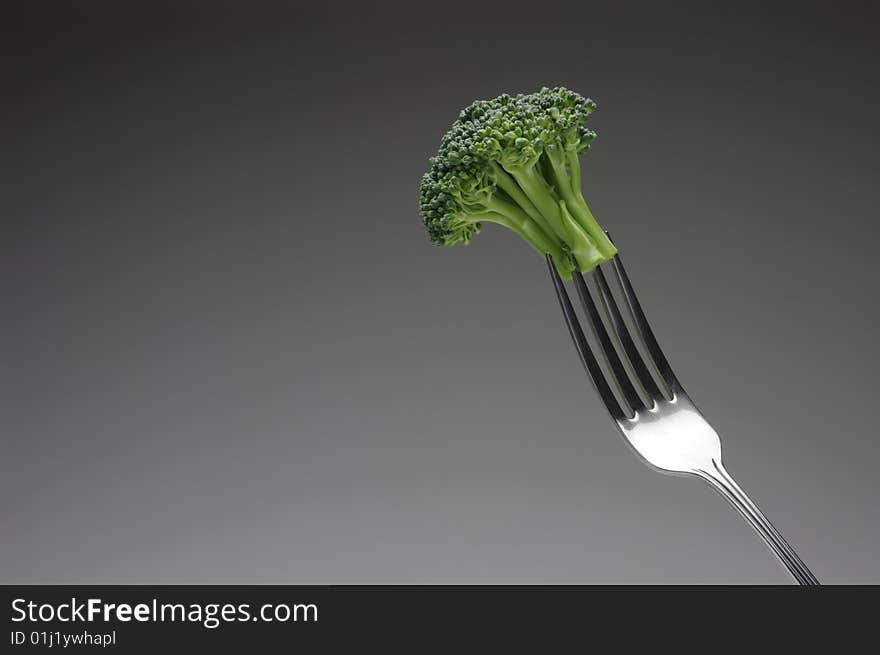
(515, 161)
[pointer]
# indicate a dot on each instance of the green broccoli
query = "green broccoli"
(515, 161)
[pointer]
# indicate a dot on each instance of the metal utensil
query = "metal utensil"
(651, 410)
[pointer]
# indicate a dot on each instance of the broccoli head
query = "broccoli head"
(515, 161)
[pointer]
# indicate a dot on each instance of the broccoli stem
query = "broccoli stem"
(540, 194)
(583, 248)
(561, 178)
(568, 181)
(574, 170)
(592, 227)
(514, 218)
(507, 184)
(548, 193)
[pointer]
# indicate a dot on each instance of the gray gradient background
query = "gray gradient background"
(230, 354)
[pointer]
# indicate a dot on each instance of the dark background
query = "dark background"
(230, 354)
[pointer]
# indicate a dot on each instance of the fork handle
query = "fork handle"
(720, 480)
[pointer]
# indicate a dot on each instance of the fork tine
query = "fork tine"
(612, 359)
(644, 328)
(632, 353)
(583, 347)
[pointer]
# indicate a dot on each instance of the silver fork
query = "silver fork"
(663, 425)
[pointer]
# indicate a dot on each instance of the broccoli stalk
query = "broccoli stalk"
(515, 162)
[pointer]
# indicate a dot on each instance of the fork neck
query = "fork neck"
(719, 479)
